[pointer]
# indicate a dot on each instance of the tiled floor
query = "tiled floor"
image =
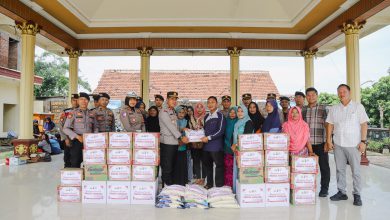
(29, 192)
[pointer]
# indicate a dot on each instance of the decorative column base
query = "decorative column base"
(25, 147)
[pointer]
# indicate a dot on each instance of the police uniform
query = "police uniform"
(131, 118)
(169, 140)
(104, 117)
(77, 123)
(63, 117)
(225, 112)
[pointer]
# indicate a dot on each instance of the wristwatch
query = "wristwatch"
(364, 141)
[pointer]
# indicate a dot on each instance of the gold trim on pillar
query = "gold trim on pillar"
(309, 53)
(145, 51)
(74, 53)
(28, 27)
(234, 51)
(352, 27)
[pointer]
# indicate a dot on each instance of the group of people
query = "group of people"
(313, 130)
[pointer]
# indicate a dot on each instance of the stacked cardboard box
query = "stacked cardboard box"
(146, 158)
(277, 171)
(69, 189)
(303, 180)
(119, 157)
(250, 161)
(94, 187)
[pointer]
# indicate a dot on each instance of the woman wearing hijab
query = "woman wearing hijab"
(231, 120)
(299, 133)
(244, 125)
(272, 122)
(196, 122)
(152, 123)
(49, 125)
(180, 175)
(256, 117)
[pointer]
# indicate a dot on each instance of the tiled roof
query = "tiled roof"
(190, 84)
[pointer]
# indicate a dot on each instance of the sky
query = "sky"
(287, 72)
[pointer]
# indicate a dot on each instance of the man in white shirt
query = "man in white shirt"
(348, 124)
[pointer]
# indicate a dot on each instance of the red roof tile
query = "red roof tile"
(190, 84)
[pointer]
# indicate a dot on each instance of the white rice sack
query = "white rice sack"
(221, 198)
(196, 189)
(228, 205)
(176, 190)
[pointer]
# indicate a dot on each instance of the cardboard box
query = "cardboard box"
(71, 176)
(146, 157)
(250, 142)
(94, 156)
(146, 140)
(277, 174)
(276, 158)
(276, 141)
(119, 156)
(96, 172)
(250, 159)
(118, 192)
(143, 193)
(277, 194)
(94, 192)
(143, 173)
(250, 195)
(303, 180)
(251, 175)
(68, 193)
(120, 139)
(95, 140)
(119, 172)
(16, 161)
(303, 196)
(300, 164)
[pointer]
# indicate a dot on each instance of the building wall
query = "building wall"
(4, 49)
(9, 105)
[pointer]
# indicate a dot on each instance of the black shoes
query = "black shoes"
(357, 200)
(339, 196)
(323, 193)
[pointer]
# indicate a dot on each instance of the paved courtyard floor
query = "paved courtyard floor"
(29, 192)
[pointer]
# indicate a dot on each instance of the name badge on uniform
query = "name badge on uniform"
(124, 114)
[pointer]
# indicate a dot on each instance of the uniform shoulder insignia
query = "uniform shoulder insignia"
(70, 115)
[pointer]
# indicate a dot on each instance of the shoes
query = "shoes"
(357, 200)
(339, 196)
(323, 193)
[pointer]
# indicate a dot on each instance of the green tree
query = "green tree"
(53, 69)
(327, 99)
(375, 96)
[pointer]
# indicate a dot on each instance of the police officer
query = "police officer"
(170, 136)
(158, 100)
(226, 103)
(95, 101)
(246, 99)
(131, 117)
(104, 117)
(78, 122)
(65, 141)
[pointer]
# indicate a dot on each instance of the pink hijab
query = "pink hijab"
(298, 130)
(196, 114)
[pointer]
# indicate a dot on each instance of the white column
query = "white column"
(309, 67)
(145, 54)
(234, 54)
(73, 71)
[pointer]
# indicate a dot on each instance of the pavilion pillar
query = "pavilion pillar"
(29, 30)
(351, 31)
(74, 55)
(309, 67)
(145, 53)
(234, 54)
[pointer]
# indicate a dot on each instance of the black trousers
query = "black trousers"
(209, 158)
(168, 159)
(180, 174)
(76, 154)
(66, 155)
(323, 161)
(198, 167)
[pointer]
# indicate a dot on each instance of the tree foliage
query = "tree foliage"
(53, 69)
(327, 98)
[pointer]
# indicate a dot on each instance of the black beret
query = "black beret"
(158, 96)
(103, 94)
(226, 97)
(247, 96)
(84, 95)
(75, 96)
